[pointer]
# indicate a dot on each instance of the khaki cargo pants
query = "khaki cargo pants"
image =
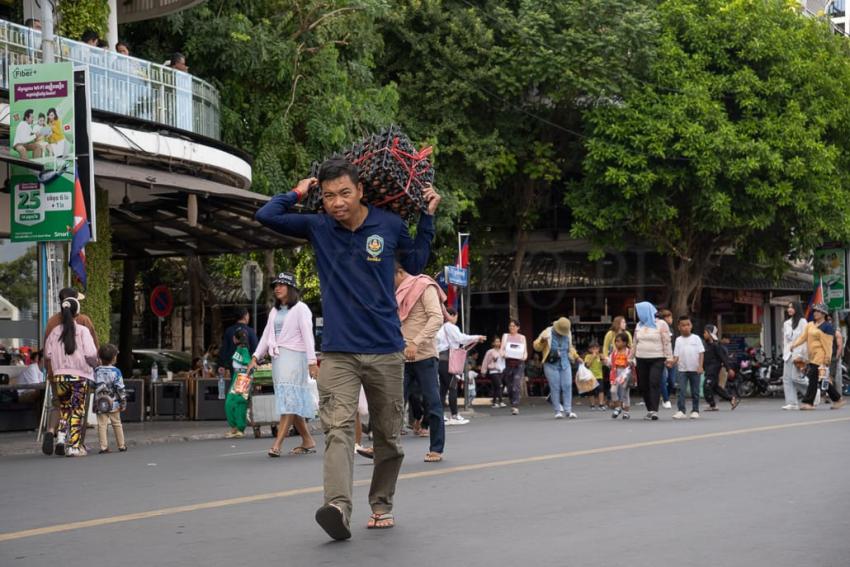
(382, 377)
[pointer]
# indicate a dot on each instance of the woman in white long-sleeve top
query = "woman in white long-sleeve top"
(288, 339)
(793, 327)
(448, 337)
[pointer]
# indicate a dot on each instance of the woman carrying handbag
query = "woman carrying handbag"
(451, 345)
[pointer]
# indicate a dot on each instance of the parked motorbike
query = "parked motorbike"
(760, 374)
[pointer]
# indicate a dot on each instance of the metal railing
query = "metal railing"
(121, 84)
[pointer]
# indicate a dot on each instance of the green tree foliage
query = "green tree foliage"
(295, 76)
(18, 280)
(738, 142)
(497, 86)
(78, 16)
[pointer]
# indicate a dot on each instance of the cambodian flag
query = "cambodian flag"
(80, 233)
(817, 297)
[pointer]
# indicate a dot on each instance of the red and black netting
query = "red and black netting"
(393, 172)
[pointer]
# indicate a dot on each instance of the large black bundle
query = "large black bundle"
(393, 172)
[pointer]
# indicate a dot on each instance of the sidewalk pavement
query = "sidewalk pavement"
(145, 433)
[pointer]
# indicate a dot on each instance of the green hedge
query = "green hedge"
(98, 304)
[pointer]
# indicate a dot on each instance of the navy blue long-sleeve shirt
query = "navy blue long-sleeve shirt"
(356, 271)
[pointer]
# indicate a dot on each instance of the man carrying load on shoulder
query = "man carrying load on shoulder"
(355, 246)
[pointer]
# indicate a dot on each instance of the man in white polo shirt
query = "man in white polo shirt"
(25, 137)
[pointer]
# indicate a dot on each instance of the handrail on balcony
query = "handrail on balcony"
(122, 84)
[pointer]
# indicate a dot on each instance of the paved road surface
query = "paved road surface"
(747, 488)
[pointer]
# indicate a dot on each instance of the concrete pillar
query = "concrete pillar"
(112, 25)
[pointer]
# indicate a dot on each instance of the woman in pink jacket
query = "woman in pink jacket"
(288, 340)
(72, 355)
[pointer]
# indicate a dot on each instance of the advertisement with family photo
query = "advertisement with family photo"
(41, 130)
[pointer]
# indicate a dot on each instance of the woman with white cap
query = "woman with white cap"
(556, 345)
(72, 354)
(818, 337)
(652, 351)
(288, 339)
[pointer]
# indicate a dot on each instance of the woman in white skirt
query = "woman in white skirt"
(288, 340)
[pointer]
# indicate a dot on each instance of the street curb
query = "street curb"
(36, 450)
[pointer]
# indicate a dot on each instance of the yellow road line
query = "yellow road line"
(10, 536)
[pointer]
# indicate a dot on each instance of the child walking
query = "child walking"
(621, 377)
(593, 361)
(109, 386)
(493, 366)
(236, 404)
(688, 355)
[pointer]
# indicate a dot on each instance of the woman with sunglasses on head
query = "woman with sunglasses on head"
(288, 339)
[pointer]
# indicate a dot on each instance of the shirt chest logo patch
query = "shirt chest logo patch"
(375, 247)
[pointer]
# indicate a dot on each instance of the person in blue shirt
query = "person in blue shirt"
(110, 398)
(356, 246)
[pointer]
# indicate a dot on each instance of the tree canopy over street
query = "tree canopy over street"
(693, 127)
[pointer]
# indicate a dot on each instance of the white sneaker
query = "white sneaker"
(667, 405)
(559, 415)
(680, 415)
(514, 411)
(790, 407)
(694, 415)
(503, 405)
(571, 415)
(494, 406)
(459, 420)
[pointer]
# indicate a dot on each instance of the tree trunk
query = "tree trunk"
(685, 280)
(268, 263)
(194, 269)
(516, 273)
(526, 205)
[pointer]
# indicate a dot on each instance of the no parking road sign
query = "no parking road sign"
(162, 302)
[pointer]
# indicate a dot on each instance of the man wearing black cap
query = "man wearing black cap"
(53, 419)
(714, 359)
(362, 343)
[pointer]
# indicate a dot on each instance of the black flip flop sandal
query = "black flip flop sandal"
(331, 520)
(47, 444)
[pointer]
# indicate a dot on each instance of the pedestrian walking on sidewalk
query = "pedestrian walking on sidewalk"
(72, 356)
(110, 398)
(793, 327)
(593, 361)
(288, 340)
(689, 354)
(715, 358)
(493, 366)
(668, 379)
(420, 309)
(652, 352)
(618, 325)
(355, 246)
(236, 402)
(52, 429)
(556, 345)
(515, 352)
(450, 337)
(818, 336)
(622, 376)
